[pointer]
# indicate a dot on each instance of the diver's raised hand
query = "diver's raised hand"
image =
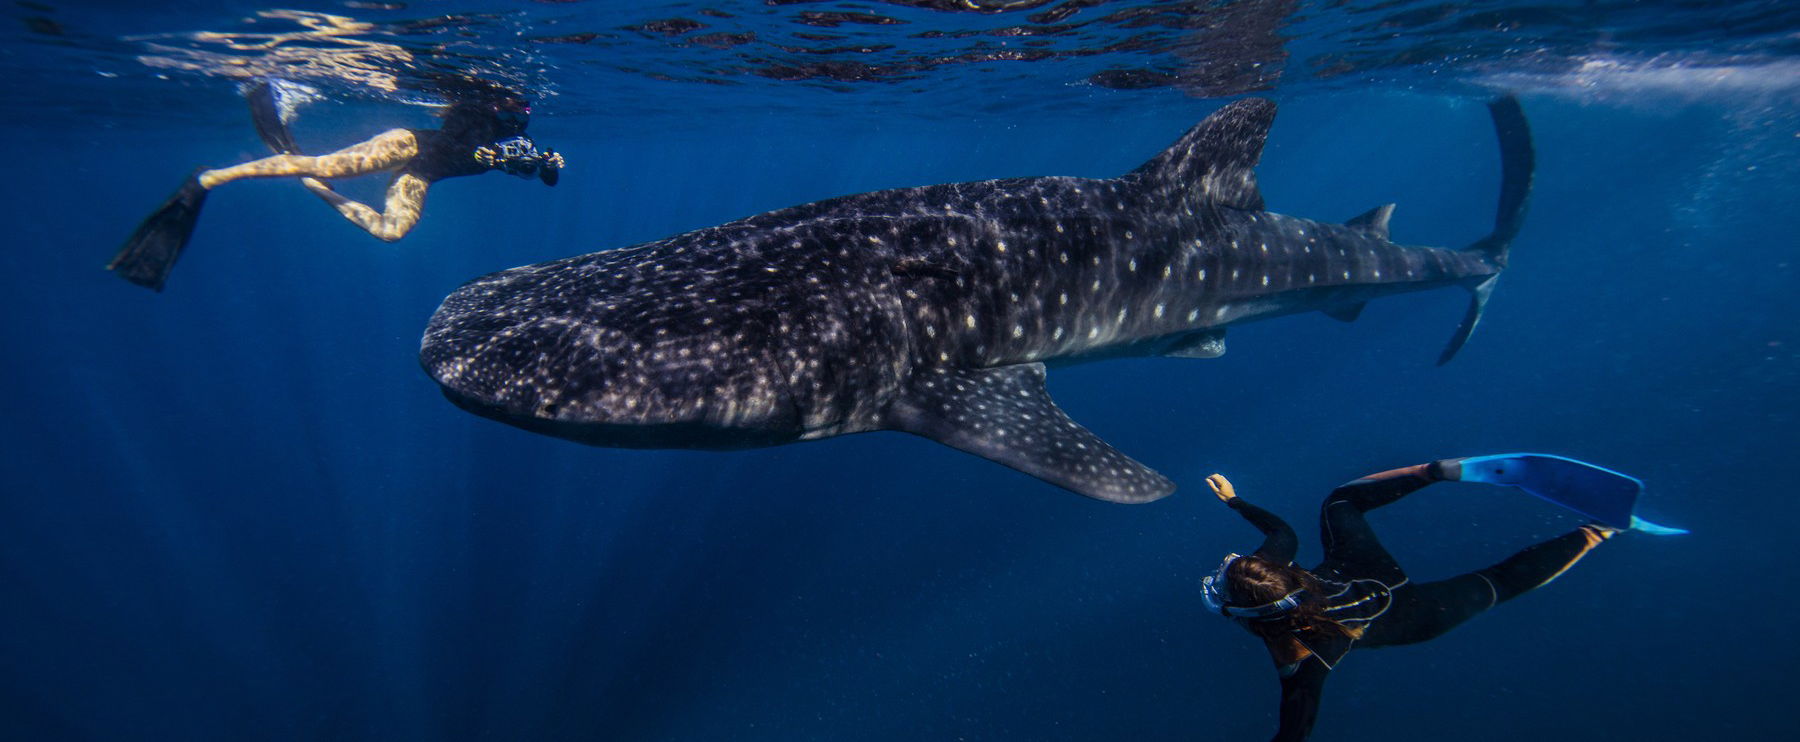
(552, 159)
(486, 155)
(1222, 487)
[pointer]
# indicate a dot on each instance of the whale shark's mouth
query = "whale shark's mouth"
(691, 435)
(490, 345)
(516, 349)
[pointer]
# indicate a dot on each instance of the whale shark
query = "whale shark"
(934, 310)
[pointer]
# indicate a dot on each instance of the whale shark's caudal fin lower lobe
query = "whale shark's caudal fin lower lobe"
(1215, 161)
(1005, 415)
(1516, 163)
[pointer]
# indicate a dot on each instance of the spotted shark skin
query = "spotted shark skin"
(932, 310)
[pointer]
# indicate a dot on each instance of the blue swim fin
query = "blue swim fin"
(1644, 526)
(1597, 492)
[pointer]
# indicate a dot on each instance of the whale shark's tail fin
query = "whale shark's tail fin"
(1214, 161)
(150, 253)
(1516, 163)
(1517, 160)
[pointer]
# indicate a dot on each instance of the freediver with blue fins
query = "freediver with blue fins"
(1360, 597)
(483, 130)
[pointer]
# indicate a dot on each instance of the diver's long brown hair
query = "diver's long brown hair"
(1257, 581)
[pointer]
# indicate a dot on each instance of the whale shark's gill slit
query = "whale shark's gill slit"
(1005, 415)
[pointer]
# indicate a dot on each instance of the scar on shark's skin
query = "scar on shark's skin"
(932, 310)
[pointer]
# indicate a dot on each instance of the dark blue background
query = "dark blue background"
(238, 510)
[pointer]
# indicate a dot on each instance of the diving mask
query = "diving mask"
(1216, 595)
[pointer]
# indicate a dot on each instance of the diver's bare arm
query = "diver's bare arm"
(405, 199)
(386, 151)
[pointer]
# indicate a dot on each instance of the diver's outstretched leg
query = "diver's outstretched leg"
(1384, 488)
(1350, 544)
(406, 195)
(405, 199)
(1433, 608)
(150, 253)
(265, 113)
(386, 151)
(1536, 566)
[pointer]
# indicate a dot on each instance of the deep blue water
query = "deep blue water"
(239, 510)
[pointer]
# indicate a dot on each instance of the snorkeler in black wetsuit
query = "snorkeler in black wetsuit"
(478, 135)
(1359, 596)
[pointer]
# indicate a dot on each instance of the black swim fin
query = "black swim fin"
(265, 113)
(150, 253)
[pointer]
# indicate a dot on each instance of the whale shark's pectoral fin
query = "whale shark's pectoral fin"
(1005, 415)
(1477, 302)
(1207, 344)
(1373, 222)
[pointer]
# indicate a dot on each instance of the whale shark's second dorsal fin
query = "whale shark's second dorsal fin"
(1373, 222)
(1005, 415)
(1216, 159)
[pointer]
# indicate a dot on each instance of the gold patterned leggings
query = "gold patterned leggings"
(386, 151)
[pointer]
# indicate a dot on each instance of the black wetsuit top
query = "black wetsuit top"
(449, 152)
(1368, 592)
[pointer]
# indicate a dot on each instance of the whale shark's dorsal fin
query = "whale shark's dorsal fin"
(1216, 159)
(1005, 415)
(1373, 222)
